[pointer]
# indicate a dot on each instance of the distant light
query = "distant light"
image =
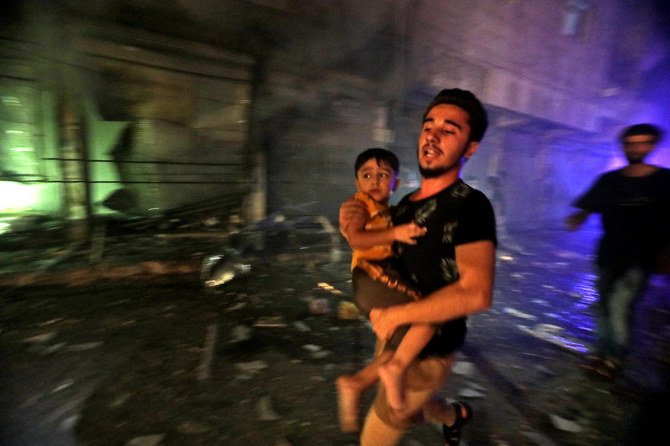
(15, 197)
(22, 149)
(14, 132)
(11, 100)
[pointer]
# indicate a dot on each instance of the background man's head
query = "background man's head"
(654, 132)
(466, 100)
(639, 140)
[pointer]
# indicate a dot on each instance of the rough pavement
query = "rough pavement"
(134, 350)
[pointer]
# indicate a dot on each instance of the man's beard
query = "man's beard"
(433, 172)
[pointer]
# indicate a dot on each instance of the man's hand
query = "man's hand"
(383, 322)
(407, 233)
(574, 221)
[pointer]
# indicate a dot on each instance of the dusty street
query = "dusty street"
(137, 351)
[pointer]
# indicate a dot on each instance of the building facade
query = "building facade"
(250, 107)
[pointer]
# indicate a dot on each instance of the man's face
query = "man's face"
(443, 142)
(376, 179)
(637, 147)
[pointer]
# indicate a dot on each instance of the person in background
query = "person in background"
(634, 206)
(452, 265)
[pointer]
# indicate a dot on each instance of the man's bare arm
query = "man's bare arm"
(471, 293)
(575, 220)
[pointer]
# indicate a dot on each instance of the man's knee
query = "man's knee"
(422, 380)
(377, 432)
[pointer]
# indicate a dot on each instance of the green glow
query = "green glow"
(16, 197)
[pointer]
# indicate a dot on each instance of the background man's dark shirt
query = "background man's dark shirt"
(635, 214)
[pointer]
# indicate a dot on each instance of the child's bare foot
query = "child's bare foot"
(391, 375)
(348, 392)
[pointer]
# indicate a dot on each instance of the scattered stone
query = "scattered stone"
(205, 366)
(471, 393)
(312, 348)
(53, 348)
(553, 334)
(41, 338)
(328, 287)
(539, 439)
(318, 306)
(237, 306)
(265, 411)
(519, 314)
(463, 368)
(301, 326)
(69, 423)
(347, 311)
(83, 347)
(252, 367)
(193, 427)
(564, 424)
(544, 370)
(240, 333)
(271, 322)
(317, 352)
(120, 400)
(146, 440)
(52, 321)
(64, 385)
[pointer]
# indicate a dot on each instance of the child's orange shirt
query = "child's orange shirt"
(379, 218)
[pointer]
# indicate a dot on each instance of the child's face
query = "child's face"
(377, 180)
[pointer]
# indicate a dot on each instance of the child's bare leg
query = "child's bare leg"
(349, 389)
(392, 372)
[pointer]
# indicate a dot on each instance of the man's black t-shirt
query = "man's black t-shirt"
(635, 213)
(455, 216)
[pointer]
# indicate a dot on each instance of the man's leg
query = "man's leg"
(627, 290)
(618, 293)
(385, 426)
(605, 285)
(350, 387)
(378, 433)
(392, 373)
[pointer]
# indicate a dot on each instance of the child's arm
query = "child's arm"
(360, 238)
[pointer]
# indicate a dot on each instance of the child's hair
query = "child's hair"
(379, 154)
